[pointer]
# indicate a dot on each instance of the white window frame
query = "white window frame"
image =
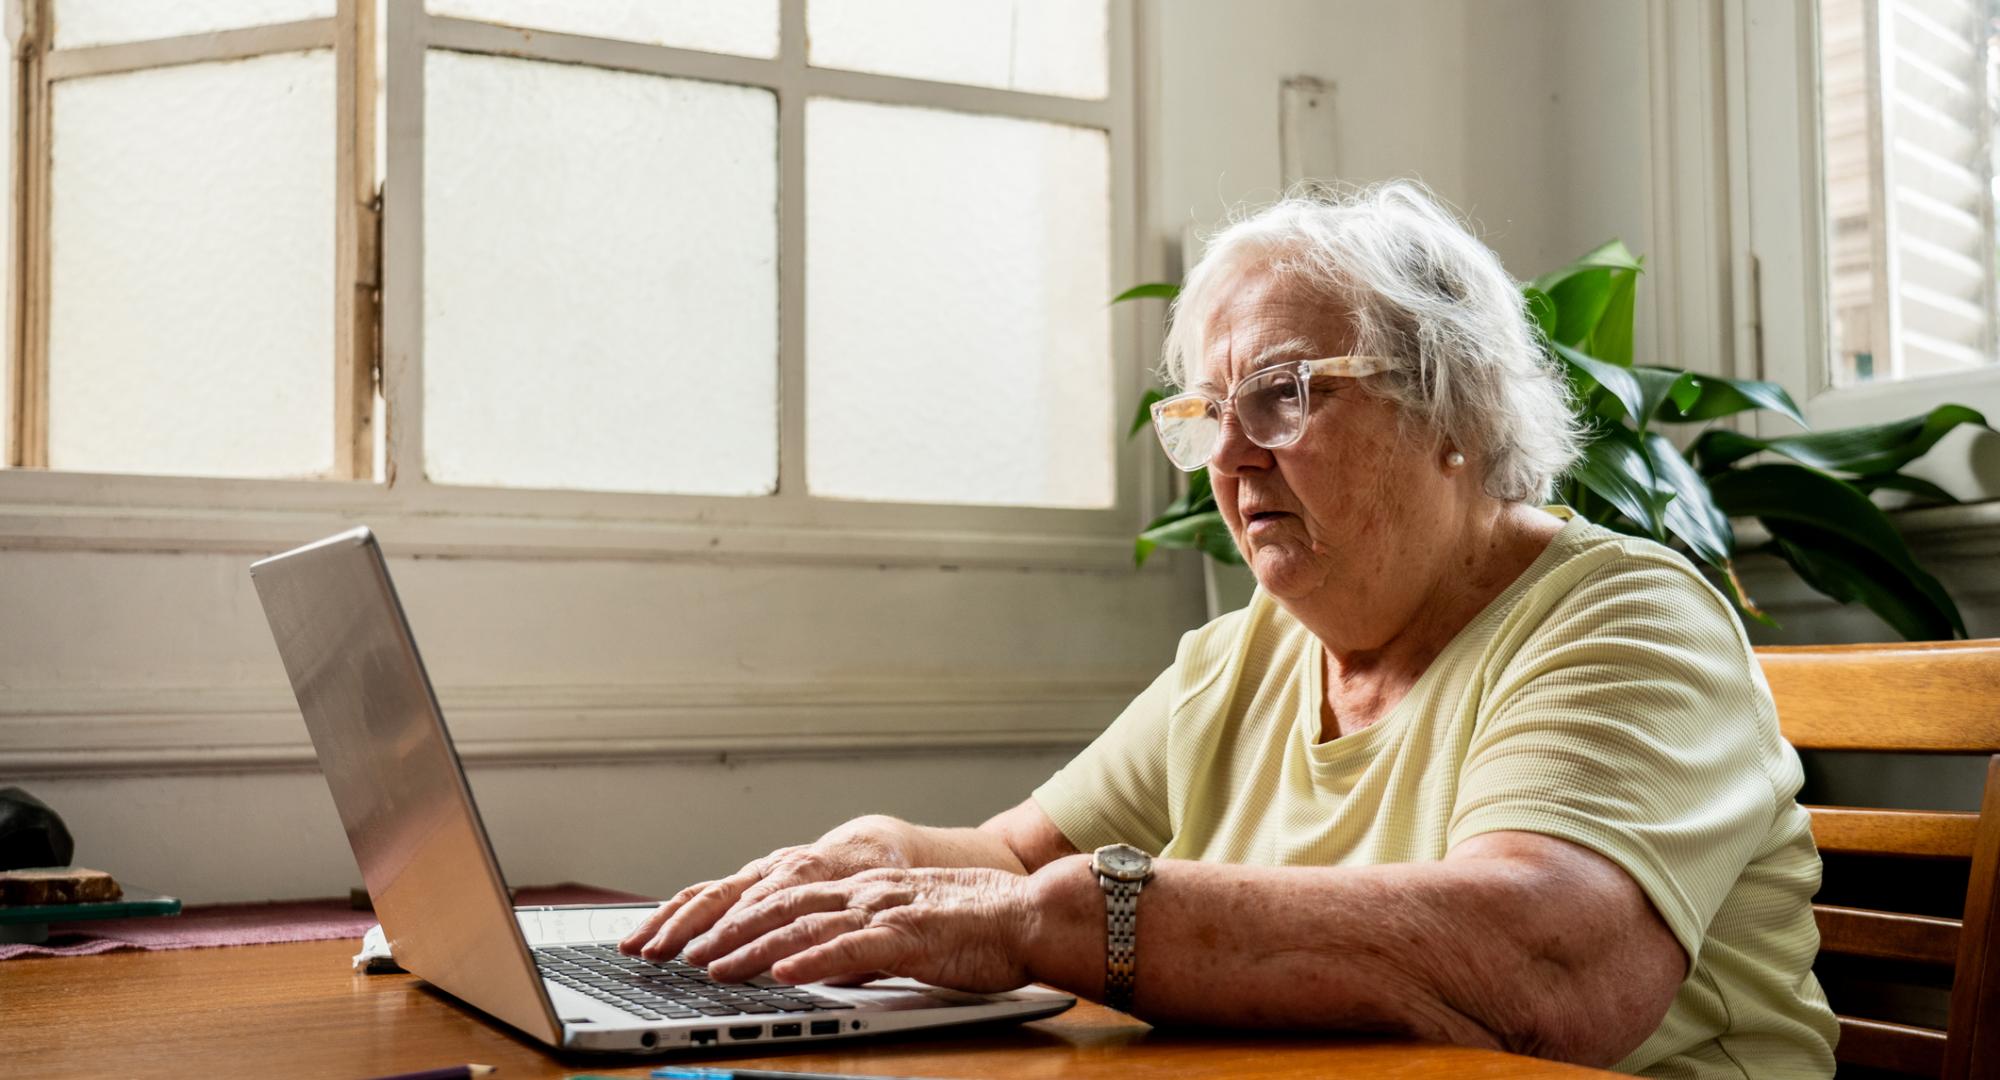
(40, 508)
(39, 64)
(1772, 72)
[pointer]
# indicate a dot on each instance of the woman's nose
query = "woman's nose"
(1234, 452)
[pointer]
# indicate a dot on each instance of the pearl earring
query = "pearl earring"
(1454, 460)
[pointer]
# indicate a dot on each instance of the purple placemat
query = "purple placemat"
(212, 925)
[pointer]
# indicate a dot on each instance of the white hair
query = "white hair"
(1419, 289)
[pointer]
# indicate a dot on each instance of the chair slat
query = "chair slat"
(1933, 834)
(1879, 1044)
(1919, 697)
(1887, 935)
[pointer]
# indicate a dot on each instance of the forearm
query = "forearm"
(926, 845)
(1461, 953)
(1245, 946)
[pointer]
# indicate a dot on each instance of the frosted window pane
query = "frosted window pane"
(1039, 46)
(744, 27)
(600, 279)
(191, 289)
(99, 22)
(958, 344)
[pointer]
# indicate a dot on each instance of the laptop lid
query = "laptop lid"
(396, 778)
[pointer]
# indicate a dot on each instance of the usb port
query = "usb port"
(704, 1036)
(784, 1031)
(742, 1033)
(826, 1027)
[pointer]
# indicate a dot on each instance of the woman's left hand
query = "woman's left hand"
(959, 928)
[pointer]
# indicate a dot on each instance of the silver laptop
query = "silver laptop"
(554, 974)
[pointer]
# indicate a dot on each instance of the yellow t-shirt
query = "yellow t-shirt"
(1608, 697)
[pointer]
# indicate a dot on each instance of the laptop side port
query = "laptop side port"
(784, 1031)
(826, 1027)
(705, 1036)
(741, 1034)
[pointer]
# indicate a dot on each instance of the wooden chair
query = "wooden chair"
(1937, 698)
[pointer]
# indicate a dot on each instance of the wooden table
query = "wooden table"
(297, 1010)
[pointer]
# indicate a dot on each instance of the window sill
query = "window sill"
(85, 512)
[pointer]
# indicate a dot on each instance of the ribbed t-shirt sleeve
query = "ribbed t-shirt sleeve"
(1634, 723)
(1116, 789)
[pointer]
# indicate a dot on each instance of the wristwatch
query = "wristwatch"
(1122, 870)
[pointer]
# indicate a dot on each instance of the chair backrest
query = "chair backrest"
(1932, 698)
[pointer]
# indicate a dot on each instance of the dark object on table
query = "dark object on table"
(56, 885)
(30, 833)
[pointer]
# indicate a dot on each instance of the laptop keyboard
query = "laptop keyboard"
(671, 991)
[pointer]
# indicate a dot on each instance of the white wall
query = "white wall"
(650, 827)
(1530, 116)
(941, 693)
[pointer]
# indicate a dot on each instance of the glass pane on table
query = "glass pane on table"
(191, 277)
(741, 27)
(1038, 46)
(103, 22)
(958, 336)
(600, 279)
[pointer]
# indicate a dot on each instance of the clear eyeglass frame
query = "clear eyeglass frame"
(1190, 425)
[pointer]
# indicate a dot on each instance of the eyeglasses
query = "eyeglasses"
(1272, 406)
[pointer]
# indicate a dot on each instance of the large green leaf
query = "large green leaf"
(1777, 494)
(1541, 310)
(1641, 390)
(1915, 485)
(1659, 387)
(1719, 448)
(1594, 290)
(1849, 573)
(1581, 301)
(1194, 530)
(1616, 468)
(1619, 382)
(1717, 396)
(1197, 498)
(1611, 255)
(1611, 338)
(1692, 515)
(1876, 448)
(1220, 546)
(1871, 449)
(1143, 417)
(1161, 289)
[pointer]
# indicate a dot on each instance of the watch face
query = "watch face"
(1123, 862)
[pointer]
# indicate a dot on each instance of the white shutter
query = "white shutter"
(1907, 103)
(1852, 197)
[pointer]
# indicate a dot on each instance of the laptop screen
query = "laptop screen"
(396, 777)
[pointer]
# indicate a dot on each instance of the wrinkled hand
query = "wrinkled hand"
(960, 928)
(844, 852)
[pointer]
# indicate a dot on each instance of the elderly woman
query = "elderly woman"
(1464, 768)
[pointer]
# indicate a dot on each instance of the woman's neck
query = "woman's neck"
(1363, 683)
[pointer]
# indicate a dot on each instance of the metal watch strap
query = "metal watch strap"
(1121, 939)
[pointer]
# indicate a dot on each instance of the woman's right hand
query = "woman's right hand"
(862, 844)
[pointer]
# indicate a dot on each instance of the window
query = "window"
(609, 251)
(1862, 135)
(1907, 91)
(190, 177)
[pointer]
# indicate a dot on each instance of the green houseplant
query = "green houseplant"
(1808, 491)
